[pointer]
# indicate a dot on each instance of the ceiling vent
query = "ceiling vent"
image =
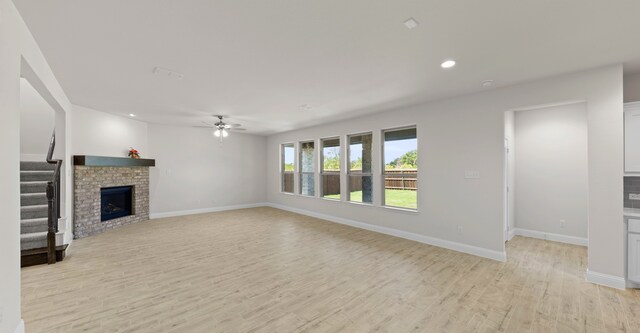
(411, 23)
(167, 72)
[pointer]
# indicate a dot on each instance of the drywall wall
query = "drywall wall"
(632, 88)
(18, 53)
(104, 134)
(510, 139)
(467, 133)
(37, 121)
(552, 178)
(194, 172)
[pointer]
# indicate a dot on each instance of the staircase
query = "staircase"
(33, 203)
(34, 215)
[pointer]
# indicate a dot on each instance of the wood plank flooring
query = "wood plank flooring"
(266, 270)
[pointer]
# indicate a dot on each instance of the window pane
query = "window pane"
(401, 149)
(401, 168)
(287, 182)
(401, 188)
(307, 185)
(307, 156)
(331, 185)
(288, 156)
(360, 153)
(361, 189)
(331, 155)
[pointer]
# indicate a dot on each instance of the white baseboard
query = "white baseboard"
(511, 234)
(204, 210)
(20, 328)
(606, 280)
(552, 237)
(469, 249)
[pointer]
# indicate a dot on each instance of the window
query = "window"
(330, 176)
(287, 168)
(400, 168)
(307, 168)
(360, 181)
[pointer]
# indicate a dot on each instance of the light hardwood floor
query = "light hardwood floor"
(266, 270)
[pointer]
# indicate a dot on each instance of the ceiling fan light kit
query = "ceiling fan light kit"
(219, 132)
(221, 129)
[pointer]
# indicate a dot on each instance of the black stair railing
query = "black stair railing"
(53, 201)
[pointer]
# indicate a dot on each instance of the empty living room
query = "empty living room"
(319, 166)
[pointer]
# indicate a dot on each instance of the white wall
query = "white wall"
(37, 120)
(467, 133)
(552, 175)
(632, 88)
(510, 136)
(195, 172)
(104, 134)
(18, 48)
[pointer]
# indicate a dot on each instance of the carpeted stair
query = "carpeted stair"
(33, 203)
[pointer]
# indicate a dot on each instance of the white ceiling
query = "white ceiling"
(258, 61)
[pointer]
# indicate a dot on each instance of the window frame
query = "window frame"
(383, 173)
(321, 166)
(301, 173)
(282, 169)
(349, 173)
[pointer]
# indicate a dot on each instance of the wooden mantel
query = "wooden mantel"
(106, 161)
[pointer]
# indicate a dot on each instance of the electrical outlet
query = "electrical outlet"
(634, 196)
(459, 230)
(472, 174)
(562, 223)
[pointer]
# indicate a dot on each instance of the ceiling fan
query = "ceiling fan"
(221, 128)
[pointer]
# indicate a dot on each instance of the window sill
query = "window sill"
(400, 209)
(287, 193)
(365, 204)
(331, 199)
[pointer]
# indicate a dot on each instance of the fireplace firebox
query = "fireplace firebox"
(116, 202)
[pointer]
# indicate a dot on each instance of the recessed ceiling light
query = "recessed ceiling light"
(487, 83)
(410, 23)
(131, 115)
(448, 64)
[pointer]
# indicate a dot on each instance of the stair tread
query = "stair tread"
(33, 236)
(33, 194)
(36, 165)
(41, 175)
(34, 207)
(43, 250)
(33, 221)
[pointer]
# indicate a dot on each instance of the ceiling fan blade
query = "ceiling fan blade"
(232, 125)
(201, 126)
(237, 129)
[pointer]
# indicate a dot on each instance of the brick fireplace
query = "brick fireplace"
(93, 177)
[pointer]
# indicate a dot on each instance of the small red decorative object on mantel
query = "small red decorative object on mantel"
(133, 153)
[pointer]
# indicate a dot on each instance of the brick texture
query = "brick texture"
(87, 183)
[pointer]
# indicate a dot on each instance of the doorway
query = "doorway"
(546, 179)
